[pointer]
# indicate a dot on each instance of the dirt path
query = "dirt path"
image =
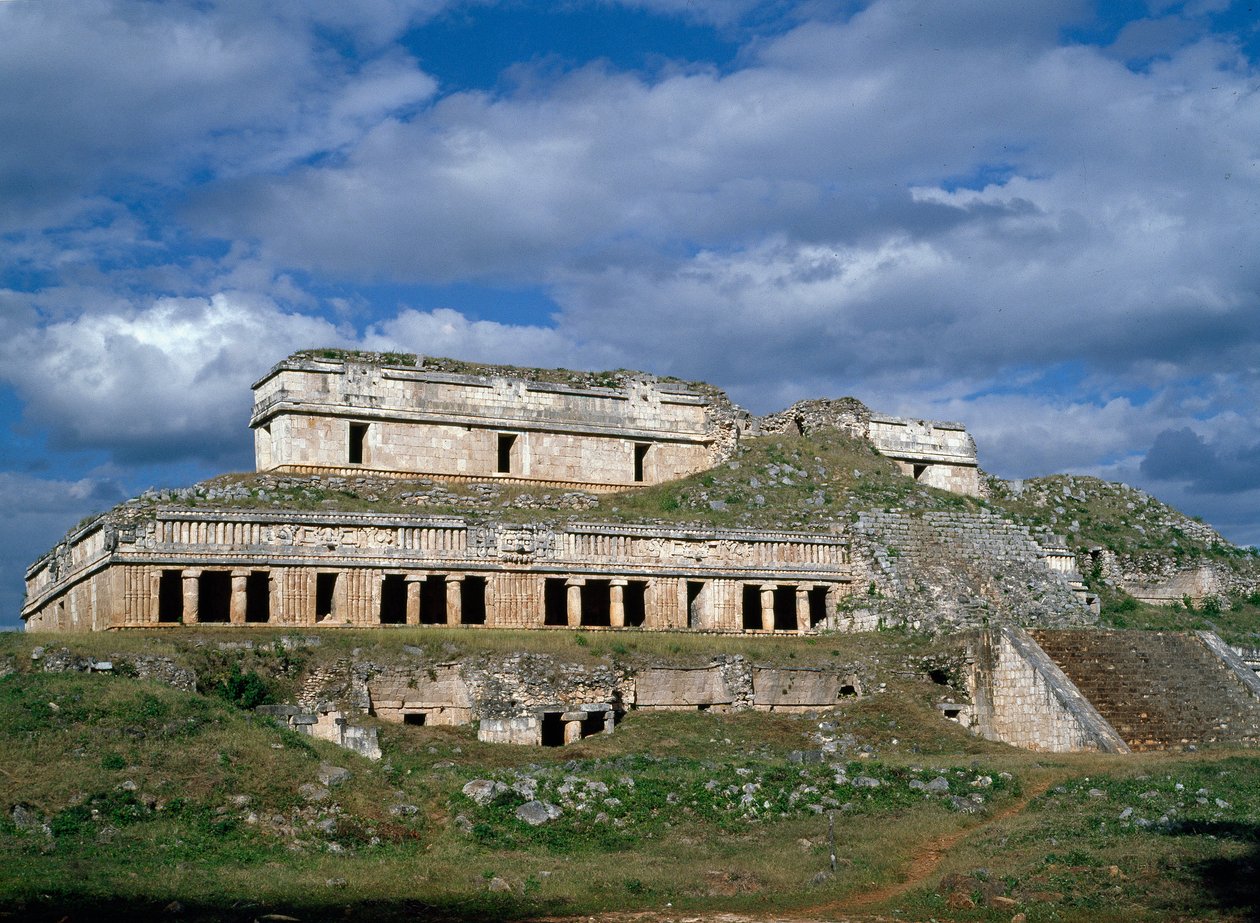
(926, 861)
(851, 909)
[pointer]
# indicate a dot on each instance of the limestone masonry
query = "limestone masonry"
(334, 415)
(855, 549)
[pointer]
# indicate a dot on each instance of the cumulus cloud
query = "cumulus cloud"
(1230, 466)
(133, 90)
(446, 332)
(167, 381)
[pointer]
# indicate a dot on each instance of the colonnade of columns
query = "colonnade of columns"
(290, 599)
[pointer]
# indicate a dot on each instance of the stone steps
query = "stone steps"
(1159, 690)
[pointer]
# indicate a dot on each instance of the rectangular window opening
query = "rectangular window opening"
(325, 593)
(506, 442)
(414, 718)
(555, 601)
(785, 608)
(171, 596)
(358, 437)
(635, 603)
(596, 603)
(433, 600)
(472, 601)
(258, 596)
(394, 600)
(214, 596)
(640, 457)
(695, 611)
(752, 607)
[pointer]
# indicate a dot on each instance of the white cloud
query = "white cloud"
(162, 382)
(446, 332)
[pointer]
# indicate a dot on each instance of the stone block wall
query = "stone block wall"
(1021, 697)
(436, 423)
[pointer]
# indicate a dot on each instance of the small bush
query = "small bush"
(244, 689)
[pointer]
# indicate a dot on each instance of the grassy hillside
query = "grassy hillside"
(124, 798)
(784, 482)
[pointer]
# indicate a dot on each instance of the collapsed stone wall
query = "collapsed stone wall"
(510, 693)
(847, 415)
(1158, 555)
(942, 571)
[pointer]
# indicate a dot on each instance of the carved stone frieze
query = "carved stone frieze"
(331, 537)
(513, 544)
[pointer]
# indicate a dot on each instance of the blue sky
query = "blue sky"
(1040, 219)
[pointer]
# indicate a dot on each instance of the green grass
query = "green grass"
(152, 795)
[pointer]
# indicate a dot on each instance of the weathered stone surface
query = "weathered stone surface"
(484, 791)
(536, 813)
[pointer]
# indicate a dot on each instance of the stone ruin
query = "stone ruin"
(340, 414)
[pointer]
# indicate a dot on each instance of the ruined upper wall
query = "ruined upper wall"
(413, 415)
(936, 453)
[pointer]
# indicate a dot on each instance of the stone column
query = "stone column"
(454, 602)
(413, 599)
(767, 606)
(572, 727)
(155, 595)
(617, 604)
(190, 596)
(833, 600)
(574, 601)
(236, 611)
(802, 609)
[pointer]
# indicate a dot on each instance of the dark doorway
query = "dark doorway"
(415, 718)
(818, 606)
(506, 442)
(919, 471)
(694, 615)
(593, 723)
(433, 600)
(752, 607)
(595, 603)
(358, 438)
(325, 593)
(785, 608)
(634, 602)
(472, 601)
(552, 729)
(214, 596)
(640, 457)
(258, 596)
(394, 600)
(555, 601)
(171, 596)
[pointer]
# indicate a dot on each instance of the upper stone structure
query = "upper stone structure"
(352, 412)
(342, 413)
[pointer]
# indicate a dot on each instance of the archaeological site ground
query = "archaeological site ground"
(477, 643)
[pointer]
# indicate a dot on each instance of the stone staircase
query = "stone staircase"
(1159, 690)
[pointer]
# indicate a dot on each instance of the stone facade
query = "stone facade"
(342, 416)
(307, 569)
(387, 417)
